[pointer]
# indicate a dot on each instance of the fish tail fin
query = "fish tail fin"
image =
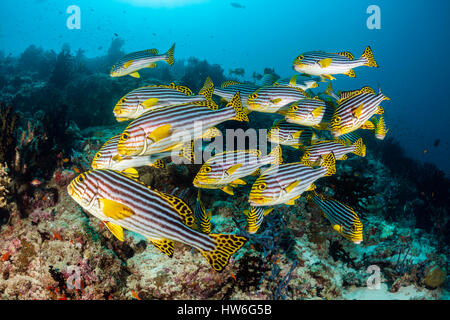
(207, 90)
(225, 246)
(169, 55)
(236, 104)
(360, 148)
(329, 162)
(276, 155)
(368, 56)
(379, 92)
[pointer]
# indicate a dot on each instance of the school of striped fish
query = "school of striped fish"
(166, 120)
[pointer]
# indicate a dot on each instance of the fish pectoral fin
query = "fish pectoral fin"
(164, 245)
(149, 103)
(275, 101)
(122, 119)
(351, 73)
(115, 229)
(317, 111)
(135, 75)
(127, 64)
(267, 211)
(357, 112)
(337, 227)
(160, 133)
(312, 187)
(233, 169)
(131, 172)
(239, 182)
(227, 189)
(325, 63)
(115, 210)
(291, 186)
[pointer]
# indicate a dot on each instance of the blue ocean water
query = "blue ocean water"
(254, 34)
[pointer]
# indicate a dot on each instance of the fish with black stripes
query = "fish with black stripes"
(354, 110)
(314, 154)
(342, 217)
(255, 217)
(202, 216)
(285, 183)
(144, 99)
(324, 64)
(225, 170)
(291, 134)
(131, 63)
(122, 202)
(303, 82)
(166, 129)
(380, 129)
(272, 99)
(307, 112)
(108, 158)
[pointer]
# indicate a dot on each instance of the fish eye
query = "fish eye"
(81, 178)
(124, 100)
(295, 107)
(207, 169)
(98, 155)
(253, 96)
(307, 154)
(262, 186)
(125, 136)
(301, 57)
(337, 119)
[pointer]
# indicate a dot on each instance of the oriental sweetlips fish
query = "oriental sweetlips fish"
(325, 64)
(133, 62)
(354, 110)
(289, 134)
(380, 130)
(343, 218)
(255, 217)
(307, 112)
(165, 129)
(273, 98)
(147, 98)
(229, 89)
(108, 158)
(225, 170)
(122, 202)
(315, 153)
(287, 182)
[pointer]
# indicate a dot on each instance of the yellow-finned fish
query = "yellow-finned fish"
(202, 215)
(108, 158)
(273, 98)
(165, 129)
(131, 63)
(144, 99)
(255, 217)
(307, 112)
(380, 130)
(319, 63)
(291, 134)
(125, 203)
(303, 82)
(314, 154)
(287, 182)
(343, 218)
(225, 170)
(354, 110)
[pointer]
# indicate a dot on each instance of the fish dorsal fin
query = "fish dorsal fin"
(153, 50)
(182, 89)
(115, 210)
(306, 94)
(127, 64)
(160, 133)
(115, 229)
(131, 173)
(228, 83)
(325, 63)
(211, 133)
(345, 95)
(164, 245)
(183, 210)
(158, 164)
(210, 104)
(346, 54)
(149, 103)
